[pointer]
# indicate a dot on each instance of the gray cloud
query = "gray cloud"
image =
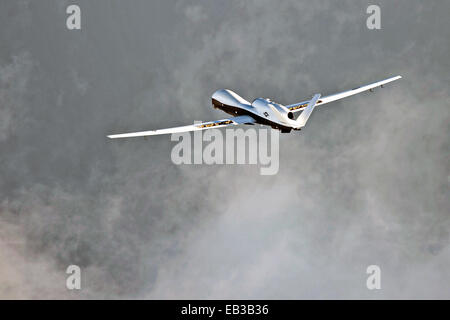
(366, 183)
(14, 88)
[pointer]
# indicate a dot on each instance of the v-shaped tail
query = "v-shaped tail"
(306, 113)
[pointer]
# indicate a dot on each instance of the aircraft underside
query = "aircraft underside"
(236, 111)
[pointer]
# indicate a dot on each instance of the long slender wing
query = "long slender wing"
(195, 127)
(296, 107)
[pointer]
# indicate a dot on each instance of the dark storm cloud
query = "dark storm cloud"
(366, 183)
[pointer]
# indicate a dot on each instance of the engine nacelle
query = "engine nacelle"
(267, 103)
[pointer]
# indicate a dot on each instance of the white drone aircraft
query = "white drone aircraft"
(261, 111)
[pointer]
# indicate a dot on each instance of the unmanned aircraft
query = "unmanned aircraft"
(260, 111)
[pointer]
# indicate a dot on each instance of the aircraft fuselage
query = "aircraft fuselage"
(264, 111)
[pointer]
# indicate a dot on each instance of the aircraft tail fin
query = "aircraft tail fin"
(306, 113)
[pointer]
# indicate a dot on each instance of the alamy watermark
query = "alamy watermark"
(73, 281)
(374, 279)
(237, 146)
(373, 21)
(73, 21)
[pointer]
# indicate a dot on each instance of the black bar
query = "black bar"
(228, 309)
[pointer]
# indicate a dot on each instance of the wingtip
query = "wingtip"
(394, 78)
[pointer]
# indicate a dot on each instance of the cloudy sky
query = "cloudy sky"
(366, 183)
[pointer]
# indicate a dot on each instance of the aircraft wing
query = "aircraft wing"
(195, 127)
(296, 107)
